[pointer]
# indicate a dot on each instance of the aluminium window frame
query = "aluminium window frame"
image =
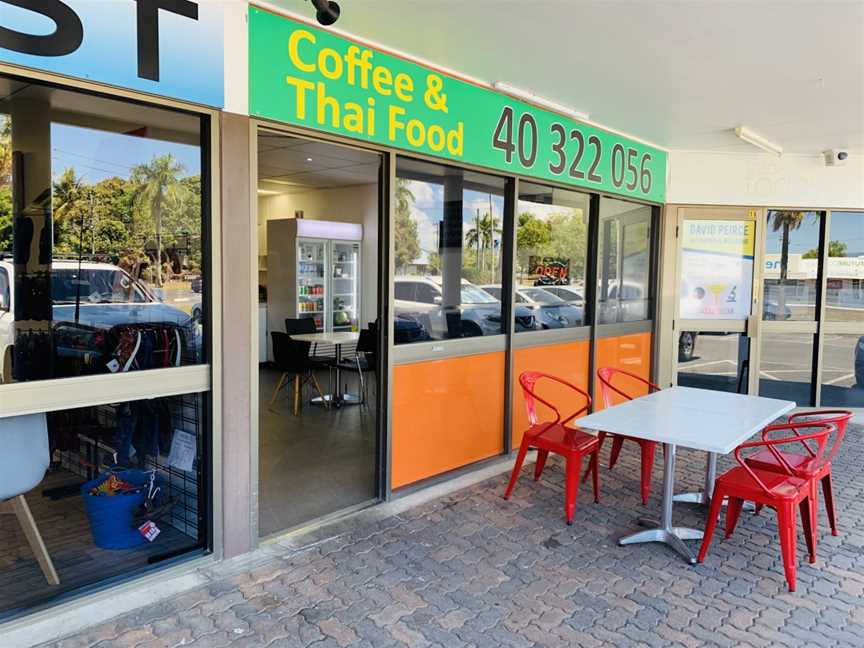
(205, 379)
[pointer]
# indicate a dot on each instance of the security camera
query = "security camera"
(328, 12)
(833, 157)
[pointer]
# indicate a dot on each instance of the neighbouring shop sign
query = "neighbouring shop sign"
(171, 48)
(310, 77)
(716, 269)
(550, 271)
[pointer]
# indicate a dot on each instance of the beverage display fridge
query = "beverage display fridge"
(320, 262)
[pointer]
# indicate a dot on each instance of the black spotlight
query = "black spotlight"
(328, 12)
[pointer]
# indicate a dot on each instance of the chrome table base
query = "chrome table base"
(663, 530)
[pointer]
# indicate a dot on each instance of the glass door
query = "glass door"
(790, 307)
(345, 280)
(311, 284)
(715, 301)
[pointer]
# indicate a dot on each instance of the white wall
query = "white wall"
(357, 204)
(236, 54)
(762, 179)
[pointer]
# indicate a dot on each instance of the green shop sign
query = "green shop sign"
(309, 77)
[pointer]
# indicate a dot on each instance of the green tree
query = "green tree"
(157, 183)
(835, 249)
(406, 238)
(785, 221)
(5, 219)
(533, 237)
(5, 150)
(482, 238)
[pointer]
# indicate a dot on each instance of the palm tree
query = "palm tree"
(156, 182)
(483, 236)
(69, 191)
(786, 220)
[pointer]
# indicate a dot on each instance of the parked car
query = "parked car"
(686, 345)
(859, 362)
(569, 294)
(771, 311)
(103, 321)
(421, 299)
(551, 312)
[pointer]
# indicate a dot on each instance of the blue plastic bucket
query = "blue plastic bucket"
(111, 517)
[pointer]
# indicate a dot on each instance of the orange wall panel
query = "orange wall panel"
(568, 361)
(446, 414)
(628, 352)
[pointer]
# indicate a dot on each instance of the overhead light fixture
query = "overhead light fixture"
(754, 138)
(268, 192)
(530, 97)
(308, 159)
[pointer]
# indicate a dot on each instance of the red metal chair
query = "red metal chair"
(555, 436)
(781, 490)
(606, 376)
(804, 465)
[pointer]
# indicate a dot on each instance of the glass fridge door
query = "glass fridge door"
(346, 285)
(311, 284)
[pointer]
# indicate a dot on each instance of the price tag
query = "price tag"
(149, 530)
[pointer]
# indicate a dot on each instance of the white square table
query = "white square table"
(699, 419)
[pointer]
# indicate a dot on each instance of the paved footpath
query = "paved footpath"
(473, 570)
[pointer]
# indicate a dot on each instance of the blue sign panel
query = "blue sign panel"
(171, 48)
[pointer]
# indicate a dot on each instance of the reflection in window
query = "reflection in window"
(448, 253)
(791, 265)
(551, 246)
(64, 461)
(120, 199)
(718, 361)
(844, 295)
(624, 262)
(786, 367)
(842, 371)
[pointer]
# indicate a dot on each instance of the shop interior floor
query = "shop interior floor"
(66, 532)
(316, 463)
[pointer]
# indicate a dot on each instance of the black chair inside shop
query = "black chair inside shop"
(323, 353)
(291, 358)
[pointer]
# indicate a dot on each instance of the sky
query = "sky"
(96, 155)
(845, 226)
(427, 211)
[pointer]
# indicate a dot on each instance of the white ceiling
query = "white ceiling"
(292, 165)
(680, 73)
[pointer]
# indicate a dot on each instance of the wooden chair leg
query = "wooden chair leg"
(278, 387)
(34, 538)
(296, 394)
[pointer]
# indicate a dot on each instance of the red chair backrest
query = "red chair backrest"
(608, 374)
(839, 418)
(819, 436)
(529, 380)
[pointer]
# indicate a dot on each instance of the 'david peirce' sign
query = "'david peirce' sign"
(171, 48)
(310, 77)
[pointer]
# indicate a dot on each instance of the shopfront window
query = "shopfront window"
(844, 298)
(102, 272)
(448, 253)
(624, 262)
(551, 253)
(791, 265)
(105, 270)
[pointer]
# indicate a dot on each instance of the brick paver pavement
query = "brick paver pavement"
(473, 570)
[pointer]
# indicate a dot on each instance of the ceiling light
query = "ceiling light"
(530, 97)
(757, 140)
(308, 159)
(267, 192)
